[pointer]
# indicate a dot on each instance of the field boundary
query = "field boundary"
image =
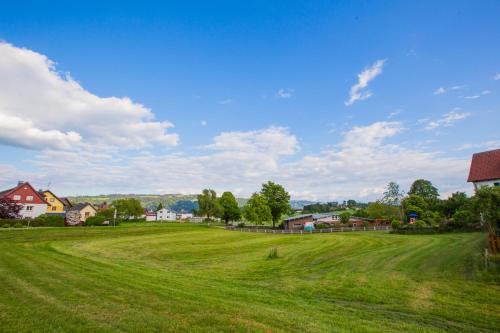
(316, 231)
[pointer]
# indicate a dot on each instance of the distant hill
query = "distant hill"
(177, 202)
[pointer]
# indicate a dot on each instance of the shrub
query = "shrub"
(47, 221)
(241, 225)
(273, 254)
(420, 223)
(18, 225)
(95, 220)
(395, 224)
(5, 225)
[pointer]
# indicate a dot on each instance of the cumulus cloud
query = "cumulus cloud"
(443, 90)
(284, 93)
(52, 110)
(447, 120)
(273, 140)
(357, 92)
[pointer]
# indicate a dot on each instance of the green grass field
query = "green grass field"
(191, 278)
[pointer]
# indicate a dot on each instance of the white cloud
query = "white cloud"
(485, 92)
(203, 123)
(447, 120)
(443, 90)
(226, 101)
(275, 141)
(393, 114)
(358, 167)
(472, 97)
(357, 93)
(497, 76)
(284, 93)
(486, 145)
(57, 111)
(19, 132)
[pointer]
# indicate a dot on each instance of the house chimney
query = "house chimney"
(20, 182)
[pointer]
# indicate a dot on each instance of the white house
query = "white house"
(165, 214)
(485, 169)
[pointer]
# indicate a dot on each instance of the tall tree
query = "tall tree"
(208, 204)
(424, 189)
(277, 199)
(159, 207)
(230, 209)
(257, 210)
(487, 205)
(127, 208)
(393, 196)
(9, 209)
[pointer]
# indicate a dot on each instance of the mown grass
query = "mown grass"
(190, 278)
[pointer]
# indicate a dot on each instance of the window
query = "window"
(54, 208)
(29, 208)
(17, 197)
(87, 214)
(29, 198)
(51, 200)
(496, 183)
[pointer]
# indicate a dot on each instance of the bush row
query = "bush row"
(408, 229)
(40, 221)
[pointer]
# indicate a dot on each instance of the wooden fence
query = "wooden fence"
(316, 231)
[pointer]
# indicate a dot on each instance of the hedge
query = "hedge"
(40, 221)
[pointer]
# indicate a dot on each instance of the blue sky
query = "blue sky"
(254, 91)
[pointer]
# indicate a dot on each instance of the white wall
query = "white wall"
(165, 215)
(150, 217)
(38, 209)
(486, 182)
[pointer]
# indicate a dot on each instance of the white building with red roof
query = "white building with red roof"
(33, 203)
(485, 169)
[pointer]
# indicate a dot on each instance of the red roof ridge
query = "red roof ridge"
(485, 166)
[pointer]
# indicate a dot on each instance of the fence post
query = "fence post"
(331, 229)
(342, 229)
(486, 259)
(364, 228)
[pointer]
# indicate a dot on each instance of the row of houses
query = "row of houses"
(35, 203)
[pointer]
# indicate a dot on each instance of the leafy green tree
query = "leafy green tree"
(424, 189)
(230, 209)
(380, 210)
(392, 195)
(127, 208)
(209, 204)
(277, 199)
(351, 203)
(415, 204)
(486, 203)
(457, 201)
(257, 210)
(344, 217)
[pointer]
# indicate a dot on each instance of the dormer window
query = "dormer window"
(17, 197)
(29, 198)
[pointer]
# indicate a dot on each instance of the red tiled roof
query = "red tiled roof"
(485, 166)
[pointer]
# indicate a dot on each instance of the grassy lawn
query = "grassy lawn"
(190, 278)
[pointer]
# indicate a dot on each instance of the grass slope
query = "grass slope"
(190, 278)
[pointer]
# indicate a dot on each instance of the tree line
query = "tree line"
(265, 206)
